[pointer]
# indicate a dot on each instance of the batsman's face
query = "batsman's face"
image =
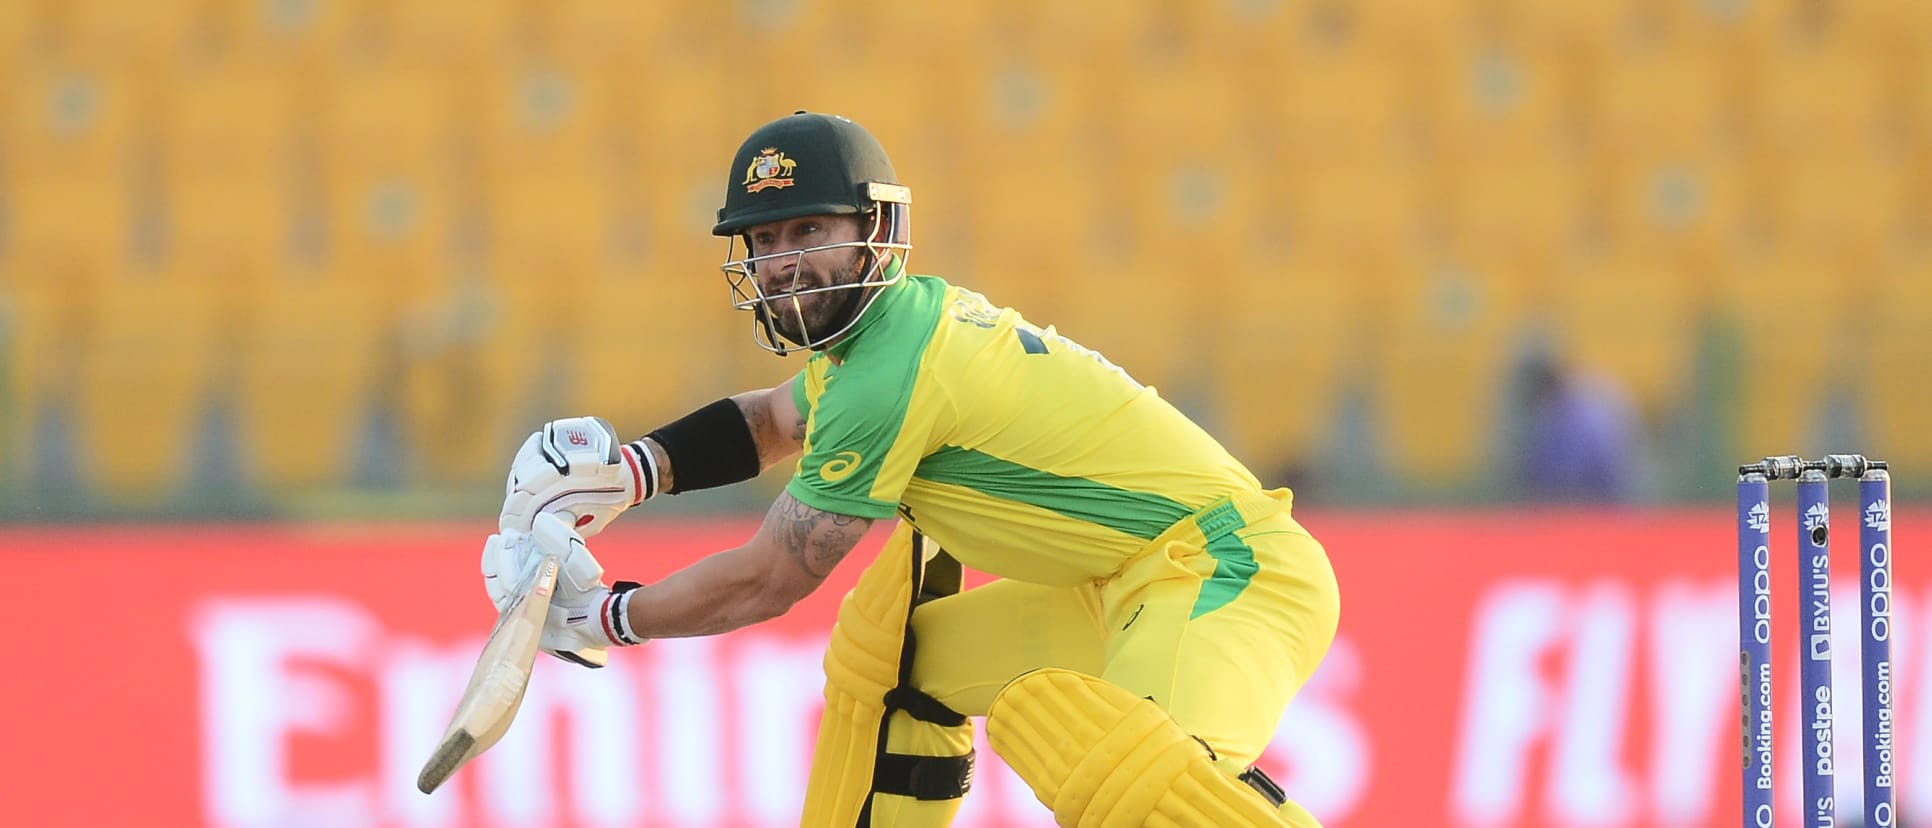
(800, 282)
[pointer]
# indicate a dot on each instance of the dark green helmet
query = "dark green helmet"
(806, 164)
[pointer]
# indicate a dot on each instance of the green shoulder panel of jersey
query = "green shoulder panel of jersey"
(869, 414)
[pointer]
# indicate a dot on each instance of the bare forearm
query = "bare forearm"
(776, 440)
(791, 554)
(717, 594)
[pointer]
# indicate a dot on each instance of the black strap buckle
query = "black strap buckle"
(1260, 782)
(923, 777)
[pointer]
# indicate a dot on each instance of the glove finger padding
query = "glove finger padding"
(500, 568)
(577, 629)
(578, 572)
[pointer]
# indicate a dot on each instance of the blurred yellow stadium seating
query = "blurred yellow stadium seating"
(1914, 100)
(1038, 227)
(654, 347)
(1527, 206)
(24, 27)
(1289, 335)
(1687, 205)
(1718, 26)
(227, 153)
(464, 31)
(1185, 104)
(238, 222)
(1633, 320)
(601, 28)
(1875, 27)
(1661, 98)
(77, 218)
(228, 117)
(1789, 307)
(1816, 98)
(312, 37)
(1350, 102)
(691, 123)
(468, 368)
(875, 24)
(1048, 23)
(153, 33)
(400, 204)
(1851, 205)
(390, 162)
(541, 112)
(1400, 27)
(1899, 316)
(546, 222)
(46, 324)
(1364, 205)
(1146, 314)
(1443, 348)
(1562, 25)
(154, 348)
(308, 362)
(69, 149)
(78, 119)
(1500, 100)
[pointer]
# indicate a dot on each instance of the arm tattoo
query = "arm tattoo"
(754, 414)
(815, 540)
(758, 420)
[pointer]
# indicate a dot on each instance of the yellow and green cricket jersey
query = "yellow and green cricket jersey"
(1020, 452)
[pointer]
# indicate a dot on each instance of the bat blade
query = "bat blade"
(496, 686)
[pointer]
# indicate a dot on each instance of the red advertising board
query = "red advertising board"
(1492, 669)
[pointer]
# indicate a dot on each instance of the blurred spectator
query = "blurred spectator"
(1575, 437)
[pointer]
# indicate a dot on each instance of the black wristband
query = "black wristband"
(708, 448)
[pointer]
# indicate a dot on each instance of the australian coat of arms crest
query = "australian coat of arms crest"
(769, 169)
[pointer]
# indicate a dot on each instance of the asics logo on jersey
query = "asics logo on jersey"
(841, 466)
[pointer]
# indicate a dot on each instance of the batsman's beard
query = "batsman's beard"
(803, 318)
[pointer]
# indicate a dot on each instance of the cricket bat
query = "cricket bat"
(495, 691)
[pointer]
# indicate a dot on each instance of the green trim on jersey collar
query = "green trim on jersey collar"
(889, 295)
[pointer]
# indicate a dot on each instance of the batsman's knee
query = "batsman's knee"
(1101, 757)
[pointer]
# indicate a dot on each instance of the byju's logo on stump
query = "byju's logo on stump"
(770, 169)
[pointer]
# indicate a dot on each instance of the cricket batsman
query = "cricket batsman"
(1155, 607)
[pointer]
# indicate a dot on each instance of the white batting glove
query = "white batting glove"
(584, 621)
(576, 466)
(508, 556)
(582, 632)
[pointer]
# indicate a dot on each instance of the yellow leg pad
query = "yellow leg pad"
(1101, 757)
(861, 665)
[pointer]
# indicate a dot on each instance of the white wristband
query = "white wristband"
(617, 619)
(645, 468)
